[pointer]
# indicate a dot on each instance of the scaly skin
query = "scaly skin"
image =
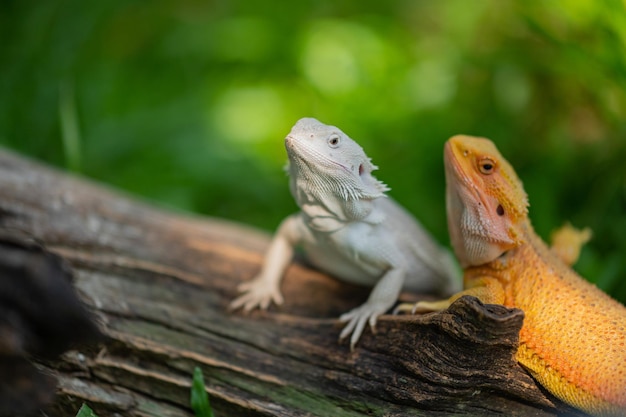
(573, 340)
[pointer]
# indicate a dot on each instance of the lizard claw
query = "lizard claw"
(358, 318)
(257, 293)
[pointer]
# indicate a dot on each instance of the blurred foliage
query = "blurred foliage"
(187, 102)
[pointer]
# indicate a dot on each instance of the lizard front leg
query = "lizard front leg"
(486, 289)
(265, 287)
(382, 297)
(567, 241)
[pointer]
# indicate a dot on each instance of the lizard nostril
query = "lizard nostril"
(361, 170)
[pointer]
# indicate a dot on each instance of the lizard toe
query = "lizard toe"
(372, 321)
(403, 308)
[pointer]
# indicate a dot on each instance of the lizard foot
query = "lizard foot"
(421, 307)
(257, 293)
(358, 318)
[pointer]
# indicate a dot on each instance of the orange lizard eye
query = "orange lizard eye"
(333, 140)
(486, 166)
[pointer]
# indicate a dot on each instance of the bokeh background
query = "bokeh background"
(186, 103)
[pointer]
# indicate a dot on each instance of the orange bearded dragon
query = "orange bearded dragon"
(573, 340)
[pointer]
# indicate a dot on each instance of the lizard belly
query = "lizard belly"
(326, 259)
(348, 254)
(362, 252)
(421, 278)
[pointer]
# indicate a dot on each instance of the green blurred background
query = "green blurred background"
(186, 103)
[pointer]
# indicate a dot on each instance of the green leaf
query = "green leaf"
(85, 411)
(70, 131)
(199, 398)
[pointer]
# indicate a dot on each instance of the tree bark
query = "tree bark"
(160, 283)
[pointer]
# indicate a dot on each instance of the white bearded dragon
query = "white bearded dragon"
(349, 229)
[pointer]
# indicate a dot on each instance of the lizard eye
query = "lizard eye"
(334, 140)
(486, 166)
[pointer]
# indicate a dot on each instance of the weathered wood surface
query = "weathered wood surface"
(160, 284)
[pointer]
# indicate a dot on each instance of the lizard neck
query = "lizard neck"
(328, 211)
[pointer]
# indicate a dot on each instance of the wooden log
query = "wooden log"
(160, 283)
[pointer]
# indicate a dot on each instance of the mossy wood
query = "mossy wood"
(160, 282)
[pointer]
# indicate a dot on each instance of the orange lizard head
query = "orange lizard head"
(485, 200)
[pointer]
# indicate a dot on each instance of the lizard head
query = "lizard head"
(485, 200)
(323, 157)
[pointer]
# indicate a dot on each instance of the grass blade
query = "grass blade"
(85, 411)
(199, 397)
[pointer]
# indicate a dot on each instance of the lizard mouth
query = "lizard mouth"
(313, 159)
(453, 167)
(456, 161)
